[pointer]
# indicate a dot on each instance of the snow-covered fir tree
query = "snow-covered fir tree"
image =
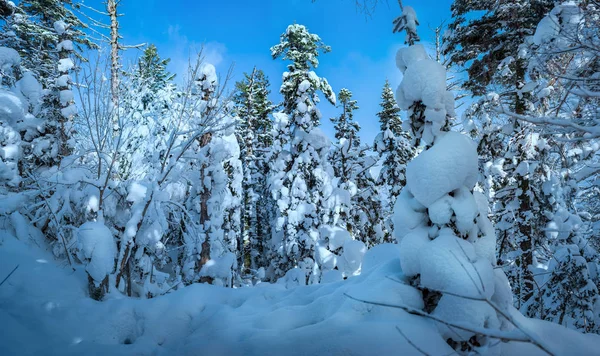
(211, 253)
(253, 107)
(394, 147)
(494, 42)
(148, 93)
(300, 176)
(554, 68)
(447, 244)
(345, 158)
(12, 113)
(48, 35)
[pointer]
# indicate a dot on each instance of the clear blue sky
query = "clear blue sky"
(241, 32)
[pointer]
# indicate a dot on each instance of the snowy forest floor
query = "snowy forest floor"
(45, 310)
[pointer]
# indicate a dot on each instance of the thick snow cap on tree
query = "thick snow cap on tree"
(316, 138)
(8, 58)
(30, 88)
(409, 55)
(65, 64)
(546, 30)
(410, 16)
(11, 107)
(424, 81)
(447, 166)
(60, 27)
(98, 246)
(208, 75)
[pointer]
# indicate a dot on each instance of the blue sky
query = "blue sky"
(240, 32)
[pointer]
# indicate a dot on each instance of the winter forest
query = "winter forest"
(151, 213)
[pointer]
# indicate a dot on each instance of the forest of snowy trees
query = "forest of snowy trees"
(146, 185)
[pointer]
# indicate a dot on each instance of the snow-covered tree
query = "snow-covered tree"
(394, 147)
(211, 253)
(492, 45)
(370, 216)
(345, 158)
(12, 113)
(446, 241)
(147, 95)
(254, 108)
(558, 118)
(300, 176)
(490, 41)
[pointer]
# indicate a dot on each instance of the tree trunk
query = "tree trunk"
(111, 8)
(204, 217)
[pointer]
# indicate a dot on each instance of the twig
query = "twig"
(497, 334)
(412, 343)
(10, 274)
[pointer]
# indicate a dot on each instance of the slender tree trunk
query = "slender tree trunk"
(525, 224)
(111, 7)
(204, 217)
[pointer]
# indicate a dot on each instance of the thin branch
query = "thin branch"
(8, 276)
(412, 343)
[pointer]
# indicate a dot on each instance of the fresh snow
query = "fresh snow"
(450, 164)
(98, 246)
(45, 309)
(8, 58)
(60, 27)
(65, 64)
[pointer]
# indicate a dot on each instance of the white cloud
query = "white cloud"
(181, 50)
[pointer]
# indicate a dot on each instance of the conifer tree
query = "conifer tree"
(47, 34)
(300, 176)
(440, 222)
(394, 146)
(253, 107)
(345, 159)
(147, 95)
(494, 42)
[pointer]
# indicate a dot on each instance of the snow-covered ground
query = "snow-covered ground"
(44, 310)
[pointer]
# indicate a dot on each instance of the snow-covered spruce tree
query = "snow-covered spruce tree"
(492, 41)
(492, 46)
(210, 253)
(394, 147)
(152, 76)
(253, 107)
(11, 114)
(370, 221)
(147, 95)
(447, 244)
(345, 157)
(47, 35)
(568, 293)
(558, 69)
(299, 177)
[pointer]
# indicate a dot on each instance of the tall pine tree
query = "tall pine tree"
(253, 107)
(299, 184)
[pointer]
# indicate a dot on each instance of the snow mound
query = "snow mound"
(98, 246)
